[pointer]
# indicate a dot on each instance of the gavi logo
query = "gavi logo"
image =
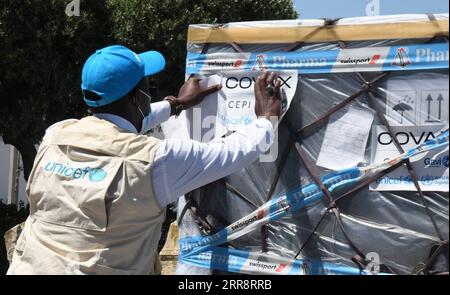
(439, 162)
(94, 174)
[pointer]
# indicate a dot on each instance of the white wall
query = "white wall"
(4, 175)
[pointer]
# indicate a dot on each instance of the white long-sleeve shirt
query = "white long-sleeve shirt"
(181, 165)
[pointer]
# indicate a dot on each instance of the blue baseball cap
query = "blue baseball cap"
(114, 71)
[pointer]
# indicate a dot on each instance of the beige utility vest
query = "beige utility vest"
(92, 206)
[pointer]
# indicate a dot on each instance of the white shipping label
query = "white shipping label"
(232, 107)
(345, 139)
(237, 97)
(431, 167)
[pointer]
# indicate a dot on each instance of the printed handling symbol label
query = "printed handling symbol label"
(417, 102)
(434, 107)
(401, 106)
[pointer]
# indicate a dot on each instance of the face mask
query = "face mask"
(147, 121)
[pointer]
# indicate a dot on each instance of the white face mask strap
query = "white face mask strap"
(146, 121)
(147, 95)
(140, 111)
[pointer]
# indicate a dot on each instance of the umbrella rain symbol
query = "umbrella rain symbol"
(403, 106)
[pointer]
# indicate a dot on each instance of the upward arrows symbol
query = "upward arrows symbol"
(429, 99)
(440, 99)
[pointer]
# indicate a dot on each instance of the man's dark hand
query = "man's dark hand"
(191, 93)
(267, 94)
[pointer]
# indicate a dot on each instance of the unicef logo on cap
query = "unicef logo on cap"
(97, 174)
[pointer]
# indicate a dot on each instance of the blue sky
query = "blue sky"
(348, 8)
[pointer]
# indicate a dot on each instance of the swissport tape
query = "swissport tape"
(383, 58)
(241, 261)
(203, 251)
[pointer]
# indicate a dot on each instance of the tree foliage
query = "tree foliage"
(42, 51)
(41, 55)
(164, 26)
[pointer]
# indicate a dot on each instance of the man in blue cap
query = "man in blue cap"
(99, 186)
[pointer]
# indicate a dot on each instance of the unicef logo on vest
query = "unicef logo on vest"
(94, 174)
